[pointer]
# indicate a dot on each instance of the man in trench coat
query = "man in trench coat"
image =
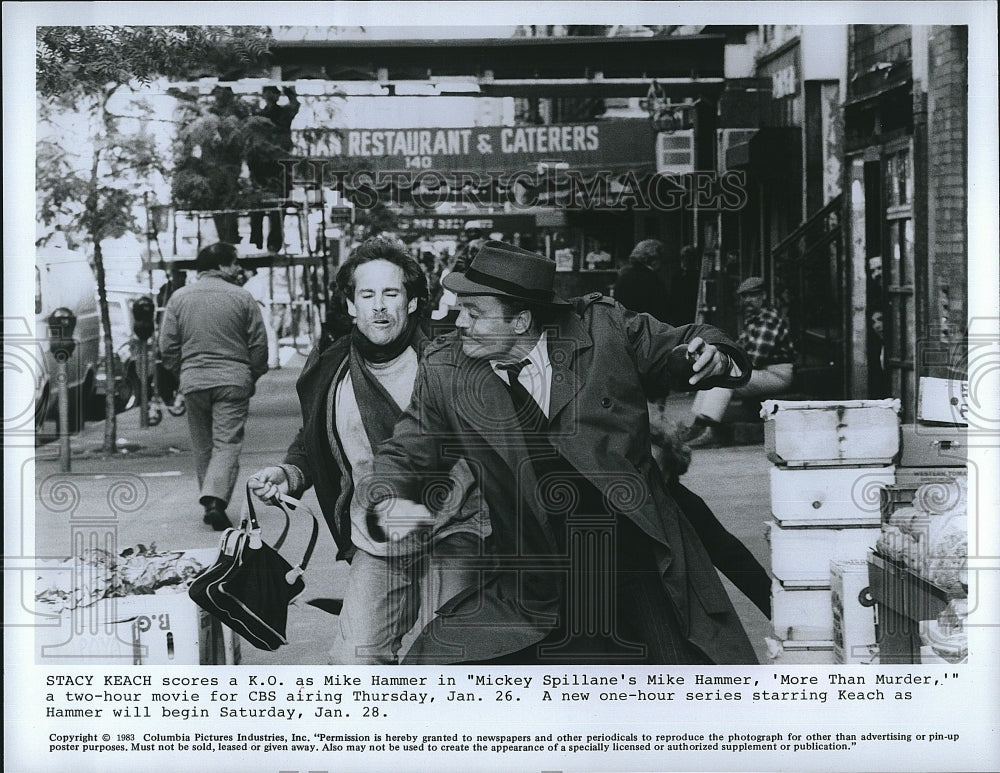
(590, 559)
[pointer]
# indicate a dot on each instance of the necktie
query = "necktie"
(529, 414)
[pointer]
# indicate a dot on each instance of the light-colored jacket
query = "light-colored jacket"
(213, 335)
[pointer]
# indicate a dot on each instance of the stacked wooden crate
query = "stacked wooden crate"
(831, 460)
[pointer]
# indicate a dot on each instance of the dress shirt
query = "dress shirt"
(536, 376)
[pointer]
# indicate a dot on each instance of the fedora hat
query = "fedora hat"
(507, 271)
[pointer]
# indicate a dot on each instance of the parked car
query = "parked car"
(43, 397)
(126, 389)
(64, 279)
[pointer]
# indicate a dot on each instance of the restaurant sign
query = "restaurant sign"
(616, 145)
(454, 224)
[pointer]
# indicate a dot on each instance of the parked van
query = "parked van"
(64, 278)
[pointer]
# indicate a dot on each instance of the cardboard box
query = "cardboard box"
(804, 653)
(164, 628)
(837, 496)
(929, 657)
(801, 613)
(908, 480)
(802, 556)
(853, 612)
(852, 433)
(944, 400)
(160, 629)
(925, 445)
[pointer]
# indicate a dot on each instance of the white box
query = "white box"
(853, 612)
(943, 399)
(802, 556)
(801, 613)
(836, 496)
(813, 433)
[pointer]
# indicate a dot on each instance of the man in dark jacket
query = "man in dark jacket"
(213, 339)
(639, 287)
(351, 393)
(590, 559)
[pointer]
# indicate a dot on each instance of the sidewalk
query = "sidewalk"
(150, 486)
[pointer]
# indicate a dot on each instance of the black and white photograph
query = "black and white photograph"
(621, 379)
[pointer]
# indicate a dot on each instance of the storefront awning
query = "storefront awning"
(771, 152)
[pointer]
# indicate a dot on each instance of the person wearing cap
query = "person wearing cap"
(213, 339)
(351, 392)
(767, 340)
(639, 286)
(589, 560)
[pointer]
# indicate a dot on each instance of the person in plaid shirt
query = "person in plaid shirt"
(768, 343)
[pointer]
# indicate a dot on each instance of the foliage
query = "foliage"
(70, 199)
(82, 60)
(377, 219)
(81, 69)
(211, 147)
(61, 189)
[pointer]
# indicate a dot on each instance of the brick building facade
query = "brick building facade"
(947, 177)
(906, 126)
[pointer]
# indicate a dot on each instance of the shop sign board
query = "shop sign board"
(454, 224)
(614, 144)
(784, 73)
(675, 152)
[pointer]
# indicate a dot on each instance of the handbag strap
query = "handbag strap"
(250, 519)
(284, 503)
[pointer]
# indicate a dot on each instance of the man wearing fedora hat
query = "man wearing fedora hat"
(767, 341)
(590, 560)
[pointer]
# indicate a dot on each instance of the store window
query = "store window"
(900, 319)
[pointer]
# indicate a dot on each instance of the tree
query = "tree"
(83, 68)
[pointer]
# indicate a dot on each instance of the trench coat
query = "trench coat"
(605, 359)
(319, 461)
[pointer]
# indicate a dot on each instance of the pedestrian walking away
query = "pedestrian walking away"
(545, 399)
(352, 391)
(213, 340)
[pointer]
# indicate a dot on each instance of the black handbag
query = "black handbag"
(250, 585)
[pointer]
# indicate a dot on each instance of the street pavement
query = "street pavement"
(150, 488)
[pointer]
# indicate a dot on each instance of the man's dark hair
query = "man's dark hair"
(215, 256)
(392, 250)
(647, 252)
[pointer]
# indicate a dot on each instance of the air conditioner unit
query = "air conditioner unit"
(728, 138)
(675, 152)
